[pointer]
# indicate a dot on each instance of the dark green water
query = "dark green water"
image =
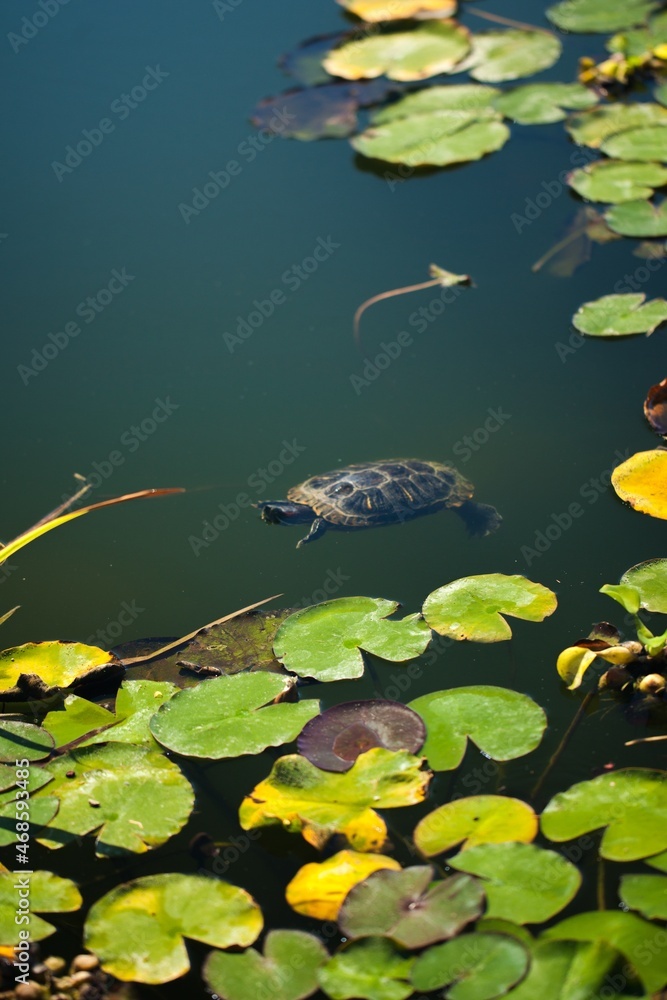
(159, 345)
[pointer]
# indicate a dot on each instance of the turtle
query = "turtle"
(370, 494)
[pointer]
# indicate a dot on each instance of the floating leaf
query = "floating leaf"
(46, 893)
(327, 111)
(573, 663)
(620, 315)
(631, 804)
(436, 139)
(641, 481)
(509, 55)
(470, 608)
(645, 144)
(600, 15)
(650, 580)
(319, 888)
(411, 909)
(137, 929)
(429, 48)
(12, 801)
(286, 971)
(626, 933)
(325, 641)
(367, 970)
(504, 724)
(22, 740)
(304, 63)
(469, 97)
(593, 127)
(334, 740)
(565, 970)
(646, 893)
(542, 103)
(659, 861)
(134, 797)
(231, 716)
(638, 218)
(301, 798)
(522, 882)
(655, 407)
(617, 181)
(39, 669)
(475, 820)
(399, 10)
(473, 966)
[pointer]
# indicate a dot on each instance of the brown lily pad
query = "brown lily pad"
(655, 407)
(328, 111)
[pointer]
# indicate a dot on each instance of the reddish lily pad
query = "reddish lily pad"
(655, 407)
(333, 741)
(327, 111)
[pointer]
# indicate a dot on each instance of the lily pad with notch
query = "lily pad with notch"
(638, 218)
(23, 740)
(477, 966)
(39, 670)
(617, 181)
(475, 820)
(319, 888)
(372, 969)
(646, 144)
(48, 893)
(426, 49)
(461, 137)
(509, 55)
(42, 810)
(596, 125)
(286, 971)
(621, 315)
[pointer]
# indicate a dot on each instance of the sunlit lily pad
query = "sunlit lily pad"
(659, 861)
(620, 315)
(542, 103)
(286, 971)
(134, 798)
(565, 970)
(302, 798)
(137, 929)
(436, 139)
(593, 127)
(473, 967)
(625, 932)
(367, 970)
(638, 218)
(475, 820)
(470, 608)
(429, 48)
(231, 716)
(522, 882)
(641, 481)
(22, 740)
(655, 407)
(645, 893)
(647, 143)
(38, 669)
(398, 10)
(334, 740)
(650, 580)
(511, 54)
(319, 888)
(46, 893)
(631, 804)
(573, 663)
(504, 724)
(410, 908)
(325, 641)
(617, 181)
(600, 15)
(468, 97)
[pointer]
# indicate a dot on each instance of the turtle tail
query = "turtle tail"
(480, 519)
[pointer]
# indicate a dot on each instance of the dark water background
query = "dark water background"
(160, 342)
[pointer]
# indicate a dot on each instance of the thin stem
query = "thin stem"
(578, 716)
(602, 905)
(645, 739)
(508, 21)
(387, 295)
(66, 504)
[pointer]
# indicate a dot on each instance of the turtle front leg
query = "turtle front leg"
(317, 529)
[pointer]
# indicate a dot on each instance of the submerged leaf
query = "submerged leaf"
(137, 929)
(600, 15)
(428, 48)
(649, 579)
(46, 893)
(641, 481)
(334, 740)
(617, 181)
(645, 893)
(326, 111)
(474, 966)
(638, 218)
(542, 103)
(371, 969)
(509, 55)
(655, 407)
(286, 971)
(620, 315)
(398, 10)
(38, 669)
(319, 888)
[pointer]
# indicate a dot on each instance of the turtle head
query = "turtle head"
(286, 512)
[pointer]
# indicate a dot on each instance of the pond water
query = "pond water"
(148, 393)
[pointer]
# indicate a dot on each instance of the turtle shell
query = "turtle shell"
(372, 493)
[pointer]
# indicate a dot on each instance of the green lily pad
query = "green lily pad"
(408, 907)
(625, 932)
(542, 103)
(600, 15)
(231, 716)
(134, 798)
(645, 144)
(287, 969)
(137, 929)
(650, 580)
(511, 54)
(565, 970)
(638, 43)
(504, 724)
(659, 861)
(595, 126)
(23, 741)
(302, 798)
(522, 882)
(645, 893)
(617, 181)
(638, 218)
(468, 97)
(473, 967)
(325, 641)
(436, 139)
(12, 801)
(475, 820)
(631, 804)
(367, 970)
(23, 896)
(39, 669)
(428, 48)
(470, 608)
(620, 315)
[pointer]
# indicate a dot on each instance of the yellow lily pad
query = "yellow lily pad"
(318, 889)
(36, 669)
(642, 482)
(399, 10)
(478, 819)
